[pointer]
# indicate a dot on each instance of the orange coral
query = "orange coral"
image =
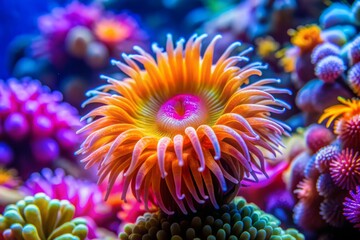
(183, 128)
(110, 30)
(306, 37)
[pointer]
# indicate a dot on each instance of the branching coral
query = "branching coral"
(40, 217)
(237, 220)
(183, 128)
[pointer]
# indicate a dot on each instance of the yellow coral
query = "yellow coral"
(306, 37)
(266, 46)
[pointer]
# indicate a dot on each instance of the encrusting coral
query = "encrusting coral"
(237, 220)
(41, 218)
(183, 128)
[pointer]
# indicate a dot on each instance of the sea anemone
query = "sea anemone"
(351, 207)
(354, 51)
(40, 217)
(9, 178)
(324, 157)
(266, 46)
(237, 220)
(306, 38)
(329, 68)
(317, 136)
(37, 127)
(323, 50)
(193, 140)
(347, 126)
(345, 169)
(354, 78)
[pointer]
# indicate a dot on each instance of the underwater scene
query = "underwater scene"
(180, 120)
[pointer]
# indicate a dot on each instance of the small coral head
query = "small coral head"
(354, 78)
(354, 51)
(324, 156)
(183, 128)
(323, 50)
(317, 136)
(329, 68)
(345, 169)
(347, 124)
(351, 207)
(306, 37)
(112, 30)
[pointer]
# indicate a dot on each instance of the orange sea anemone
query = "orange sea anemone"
(183, 128)
(112, 31)
(347, 124)
(306, 37)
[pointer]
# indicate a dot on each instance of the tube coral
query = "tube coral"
(237, 220)
(182, 127)
(40, 217)
(351, 207)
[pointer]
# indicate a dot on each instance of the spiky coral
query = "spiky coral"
(40, 217)
(345, 169)
(193, 140)
(352, 207)
(237, 220)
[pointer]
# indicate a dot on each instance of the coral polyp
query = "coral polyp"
(40, 217)
(184, 128)
(306, 38)
(329, 68)
(345, 169)
(324, 156)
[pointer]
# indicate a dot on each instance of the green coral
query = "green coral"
(237, 220)
(41, 218)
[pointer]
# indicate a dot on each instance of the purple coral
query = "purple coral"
(329, 68)
(324, 156)
(323, 50)
(352, 207)
(317, 136)
(36, 126)
(354, 51)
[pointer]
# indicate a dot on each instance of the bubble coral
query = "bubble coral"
(237, 220)
(36, 123)
(199, 135)
(317, 136)
(306, 38)
(40, 217)
(329, 68)
(351, 207)
(347, 126)
(353, 78)
(323, 50)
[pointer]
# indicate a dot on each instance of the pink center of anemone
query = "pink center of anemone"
(180, 112)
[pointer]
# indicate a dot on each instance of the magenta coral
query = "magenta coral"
(35, 123)
(318, 136)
